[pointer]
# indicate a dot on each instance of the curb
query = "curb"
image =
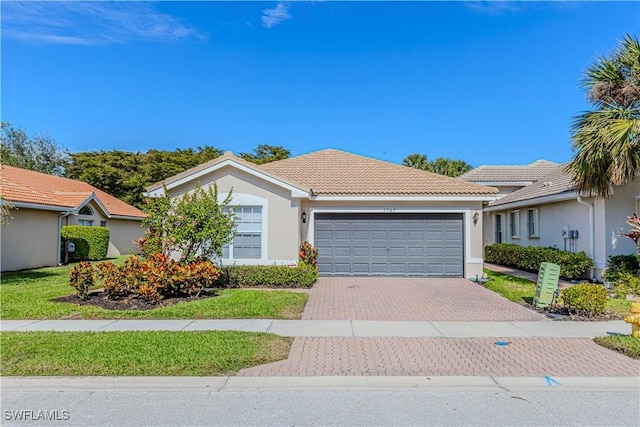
(235, 384)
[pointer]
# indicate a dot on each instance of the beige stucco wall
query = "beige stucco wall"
(473, 249)
(281, 234)
(122, 232)
(618, 207)
(29, 240)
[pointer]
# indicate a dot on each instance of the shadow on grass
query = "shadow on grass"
(528, 300)
(16, 277)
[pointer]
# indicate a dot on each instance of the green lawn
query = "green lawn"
(137, 353)
(28, 294)
(522, 290)
(625, 344)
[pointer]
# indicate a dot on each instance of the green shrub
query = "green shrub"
(623, 272)
(269, 276)
(572, 265)
(91, 243)
(81, 278)
(585, 299)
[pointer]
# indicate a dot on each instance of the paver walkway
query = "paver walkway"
(521, 273)
(396, 356)
(430, 299)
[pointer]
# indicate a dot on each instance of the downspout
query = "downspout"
(62, 215)
(592, 231)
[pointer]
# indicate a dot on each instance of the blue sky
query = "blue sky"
(485, 82)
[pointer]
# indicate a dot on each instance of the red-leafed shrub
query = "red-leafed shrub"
(81, 278)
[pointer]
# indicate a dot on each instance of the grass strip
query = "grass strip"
(27, 295)
(520, 290)
(625, 344)
(135, 353)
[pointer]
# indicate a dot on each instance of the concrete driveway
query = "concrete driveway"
(398, 298)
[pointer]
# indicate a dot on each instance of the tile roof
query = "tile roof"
(556, 182)
(335, 172)
(26, 186)
(510, 173)
(228, 155)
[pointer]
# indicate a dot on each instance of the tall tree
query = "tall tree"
(441, 165)
(266, 153)
(39, 152)
(125, 175)
(606, 140)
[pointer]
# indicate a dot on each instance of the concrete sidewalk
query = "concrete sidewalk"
(339, 328)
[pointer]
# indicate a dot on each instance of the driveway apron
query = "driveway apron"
(431, 299)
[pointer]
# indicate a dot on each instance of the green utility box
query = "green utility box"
(548, 277)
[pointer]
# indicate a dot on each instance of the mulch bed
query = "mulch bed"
(99, 299)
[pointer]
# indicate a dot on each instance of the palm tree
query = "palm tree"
(417, 161)
(606, 140)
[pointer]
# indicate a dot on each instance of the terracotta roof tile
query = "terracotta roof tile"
(556, 182)
(26, 186)
(510, 173)
(335, 172)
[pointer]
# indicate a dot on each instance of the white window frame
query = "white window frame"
(85, 207)
(242, 200)
(85, 222)
(514, 224)
(533, 223)
(231, 246)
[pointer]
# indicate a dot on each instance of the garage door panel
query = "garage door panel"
(342, 251)
(360, 251)
(389, 244)
(361, 235)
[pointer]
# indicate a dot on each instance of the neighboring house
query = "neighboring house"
(549, 213)
(44, 203)
(365, 216)
(509, 178)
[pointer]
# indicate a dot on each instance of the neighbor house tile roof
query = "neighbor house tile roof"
(510, 173)
(556, 182)
(335, 172)
(25, 186)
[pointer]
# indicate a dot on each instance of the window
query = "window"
(498, 228)
(532, 223)
(247, 244)
(85, 210)
(103, 223)
(514, 224)
(86, 222)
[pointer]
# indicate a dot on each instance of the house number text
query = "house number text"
(389, 210)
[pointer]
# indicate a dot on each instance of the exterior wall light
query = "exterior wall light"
(304, 217)
(476, 216)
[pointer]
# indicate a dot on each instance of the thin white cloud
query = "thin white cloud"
(275, 16)
(496, 7)
(91, 23)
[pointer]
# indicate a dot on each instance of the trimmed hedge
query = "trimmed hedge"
(91, 243)
(269, 276)
(572, 265)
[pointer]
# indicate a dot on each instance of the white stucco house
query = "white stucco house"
(365, 216)
(44, 203)
(548, 212)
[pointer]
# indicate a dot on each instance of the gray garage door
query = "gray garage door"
(400, 244)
